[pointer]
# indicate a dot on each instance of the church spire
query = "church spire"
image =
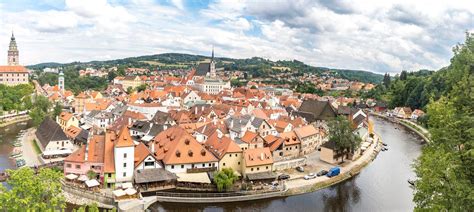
(212, 57)
(13, 55)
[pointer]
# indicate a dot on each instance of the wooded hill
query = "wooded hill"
(258, 67)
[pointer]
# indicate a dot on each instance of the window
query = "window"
(172, 166)
(124, 155)
(258, 168)
(109, 175)
(230, 155)
(68, 165)
(78, 166)
(223, 164)
(238, 163)
(124, 174)
(124, 165)
(150, 163)
(209, 165)
(235, 155)
(251, 169)
(182, 166)
(266, 167)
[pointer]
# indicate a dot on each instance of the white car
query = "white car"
(309, 176)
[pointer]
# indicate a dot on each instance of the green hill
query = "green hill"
(258, 67)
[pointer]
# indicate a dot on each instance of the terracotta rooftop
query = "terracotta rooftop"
(176, 146)
(258, 157)
(124, 139)
(13, 69)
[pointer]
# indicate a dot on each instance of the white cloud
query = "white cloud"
(380, 36)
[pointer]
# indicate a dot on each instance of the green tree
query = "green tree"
(130, 90)
(91, 174)
(32, 192)
(403, 75)
(141, 88)
(111, 75)
(341, 133)
(58, 108)
(445, 169)
(225, 179)
(386, 80)
(121, 71)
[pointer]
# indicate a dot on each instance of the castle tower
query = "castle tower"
(13, 54)
(124, 151)
(212, 66)
(61, 81)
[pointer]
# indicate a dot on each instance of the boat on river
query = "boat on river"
(20, 162)
(16, 153)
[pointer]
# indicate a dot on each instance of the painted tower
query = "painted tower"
(13, 54)
(124, 151)
(61, 81)
(212, 66)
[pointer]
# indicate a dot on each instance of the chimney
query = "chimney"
(152, 146)
(262, 156)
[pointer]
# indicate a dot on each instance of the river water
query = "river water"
(381, 186)
(8, 134)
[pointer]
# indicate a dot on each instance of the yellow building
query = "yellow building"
(257, 160)
(65, 120)
(227, 151)
(128, 81)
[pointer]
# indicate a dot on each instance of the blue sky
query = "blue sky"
(378, 36)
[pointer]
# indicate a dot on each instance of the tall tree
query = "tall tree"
(445, 170)
(58, 108)
(386, 80)
(32, 192)
(341, 132)
(403, 75)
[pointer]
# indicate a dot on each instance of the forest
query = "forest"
(72, 80)
(445, 170)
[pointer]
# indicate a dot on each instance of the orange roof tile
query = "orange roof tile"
(306, 131)
(65, 116)
(221, 146)
(258, 157)
(109, 162)
(124, 139)
(13, 69)
(141, 153)
(249, 137)
(176, 146)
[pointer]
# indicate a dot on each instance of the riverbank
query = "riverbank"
(16, 119)
(28, 148)
(420, 131)
(302, 186)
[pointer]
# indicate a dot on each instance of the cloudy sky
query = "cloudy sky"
(373, 35)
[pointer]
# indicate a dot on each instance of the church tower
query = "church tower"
(212, 66)
(13, 56)
(61, 81)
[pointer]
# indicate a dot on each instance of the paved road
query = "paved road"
(318, 164)
(29, 153)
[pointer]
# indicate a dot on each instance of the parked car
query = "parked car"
(334, 171)
(300, 169)
(322, 173)
(284, 177)
(309, 176)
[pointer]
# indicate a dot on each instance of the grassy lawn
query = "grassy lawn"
(37, 148)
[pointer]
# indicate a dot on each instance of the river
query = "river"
(381, 186)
